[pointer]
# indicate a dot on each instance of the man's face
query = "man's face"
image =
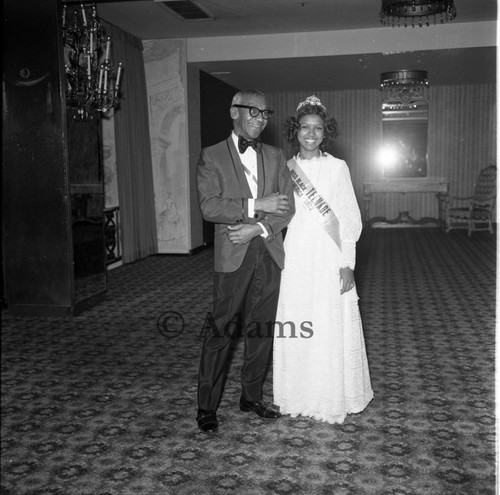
(243, 123)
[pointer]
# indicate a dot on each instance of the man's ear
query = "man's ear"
(233, 111)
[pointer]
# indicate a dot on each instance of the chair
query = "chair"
(474, 212)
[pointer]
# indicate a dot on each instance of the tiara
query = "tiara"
(311, 100)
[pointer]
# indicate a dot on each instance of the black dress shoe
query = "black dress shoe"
(207, 420)
(259, 408)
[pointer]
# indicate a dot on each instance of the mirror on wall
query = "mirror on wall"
(404, 125)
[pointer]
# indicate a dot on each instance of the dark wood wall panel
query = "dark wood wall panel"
(53, 252)
(36, 246)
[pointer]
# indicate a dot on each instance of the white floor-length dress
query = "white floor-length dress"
(320, 366)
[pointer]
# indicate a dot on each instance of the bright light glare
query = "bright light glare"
(387, 156)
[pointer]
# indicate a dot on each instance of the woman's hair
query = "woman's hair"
(292, 125)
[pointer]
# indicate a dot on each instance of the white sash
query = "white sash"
(314, 202)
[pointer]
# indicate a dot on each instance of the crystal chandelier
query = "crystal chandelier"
(92, 84)
(416, 12)
(404, 88)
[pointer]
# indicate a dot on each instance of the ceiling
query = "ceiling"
(148, 20)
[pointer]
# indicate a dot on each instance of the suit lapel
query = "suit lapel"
(261, 176)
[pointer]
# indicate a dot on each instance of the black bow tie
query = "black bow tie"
(243, 144)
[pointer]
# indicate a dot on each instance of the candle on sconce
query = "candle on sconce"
(64, 16)
(89, 74)
(100, 78)
(83, 15)
(91, 41)
(118, 74)
(105, 80)
(108, 43)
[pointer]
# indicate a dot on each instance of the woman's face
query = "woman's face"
(310, 135)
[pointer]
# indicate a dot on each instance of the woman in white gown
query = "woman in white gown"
(320, 367)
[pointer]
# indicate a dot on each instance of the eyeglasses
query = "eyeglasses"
(254, 111)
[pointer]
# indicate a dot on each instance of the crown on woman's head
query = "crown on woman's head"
(311, 100)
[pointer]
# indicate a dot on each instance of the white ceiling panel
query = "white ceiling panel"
(148, 20)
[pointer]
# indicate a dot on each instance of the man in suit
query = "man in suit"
(244, 188)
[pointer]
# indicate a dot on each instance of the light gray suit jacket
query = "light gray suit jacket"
(223, 194)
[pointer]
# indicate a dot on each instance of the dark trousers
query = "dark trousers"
(245, 299)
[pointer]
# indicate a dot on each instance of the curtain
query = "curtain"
(134, 167)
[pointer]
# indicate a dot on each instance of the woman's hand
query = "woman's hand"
(346, 279)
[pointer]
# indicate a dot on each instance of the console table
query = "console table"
(436, 186)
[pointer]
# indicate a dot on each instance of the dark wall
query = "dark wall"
(87, 201)
(215, 101)
(52, 190)
(216, 123)
(36, 247)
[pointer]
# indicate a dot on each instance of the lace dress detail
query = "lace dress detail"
(320, 367)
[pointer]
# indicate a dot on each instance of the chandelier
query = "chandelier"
(92, 84)
(416, 12)
(404, 88)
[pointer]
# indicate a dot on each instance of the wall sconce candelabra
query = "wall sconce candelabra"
(92, 84)
(404, 88)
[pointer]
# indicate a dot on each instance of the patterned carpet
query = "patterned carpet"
(105, 404)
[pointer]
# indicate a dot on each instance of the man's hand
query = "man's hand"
(274, 203)
(243, 232)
